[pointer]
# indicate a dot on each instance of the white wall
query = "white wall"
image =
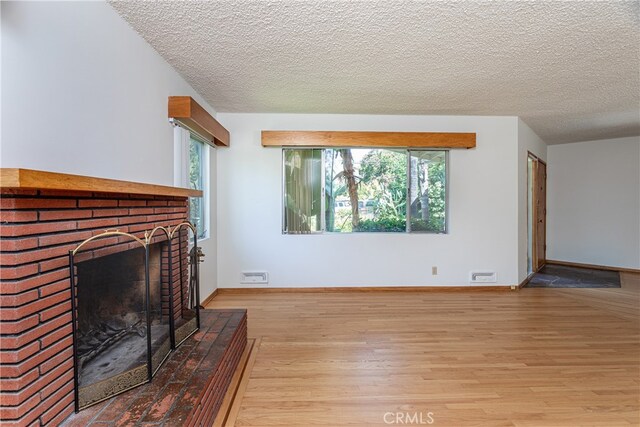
(528, 141)
(594, 202)
(83, 93)
(209, 267)
(483, 208)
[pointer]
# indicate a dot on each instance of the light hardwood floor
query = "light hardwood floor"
(534, 357)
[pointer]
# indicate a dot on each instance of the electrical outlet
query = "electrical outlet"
(434, 271)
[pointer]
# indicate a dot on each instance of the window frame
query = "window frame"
(323, 229)
(205, 179)
(283, 204)
(446, 192)
(182, 162)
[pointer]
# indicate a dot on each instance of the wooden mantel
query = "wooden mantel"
(29, 179)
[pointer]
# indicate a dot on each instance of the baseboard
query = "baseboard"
(368, 289)
(210, 298)
(593, 266)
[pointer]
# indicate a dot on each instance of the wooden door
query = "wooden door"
(540, 206)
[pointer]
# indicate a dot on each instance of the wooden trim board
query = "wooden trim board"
(210, 298)
(185, 110)
(273, 138)
(593, 266)
(29, 179)
(222, 291)
(526, 280)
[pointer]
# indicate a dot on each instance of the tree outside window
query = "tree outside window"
(368, 190)
(196, 182)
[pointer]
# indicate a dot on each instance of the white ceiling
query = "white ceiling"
(570, 69)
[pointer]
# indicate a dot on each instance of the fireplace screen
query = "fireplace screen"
(187, 319)
(133, 301)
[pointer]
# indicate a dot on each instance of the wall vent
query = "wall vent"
(254, 277)
(484, 277)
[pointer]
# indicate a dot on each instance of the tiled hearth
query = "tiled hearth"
(190, 387)
(38, 229)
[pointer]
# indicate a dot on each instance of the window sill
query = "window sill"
(368, 233)
(204, 239)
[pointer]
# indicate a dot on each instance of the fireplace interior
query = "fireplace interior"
(111, 335)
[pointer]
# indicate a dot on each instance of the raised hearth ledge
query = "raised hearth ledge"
(29, 179)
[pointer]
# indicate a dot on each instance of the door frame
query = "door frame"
(532, 246)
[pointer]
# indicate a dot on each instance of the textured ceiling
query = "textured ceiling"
(571, 70)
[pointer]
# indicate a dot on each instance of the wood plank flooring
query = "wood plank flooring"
(534, 357)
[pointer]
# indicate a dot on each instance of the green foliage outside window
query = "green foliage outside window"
(385, 172)
(436, 191)
(196, 182)
(367, 190)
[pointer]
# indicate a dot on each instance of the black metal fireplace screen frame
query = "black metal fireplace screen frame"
(169, 233)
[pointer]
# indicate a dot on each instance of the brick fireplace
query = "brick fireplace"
(38, 229)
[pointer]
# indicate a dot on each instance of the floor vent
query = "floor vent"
(254, 277)
(483, 277)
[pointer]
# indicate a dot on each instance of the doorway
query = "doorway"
(536, 213)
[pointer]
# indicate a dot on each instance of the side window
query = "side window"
(191, 170)
(198, 181)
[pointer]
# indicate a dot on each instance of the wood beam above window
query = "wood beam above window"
(186, 111)
(273, 138)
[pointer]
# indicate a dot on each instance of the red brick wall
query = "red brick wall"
(180, 239)
(210, 399)
(37, 230)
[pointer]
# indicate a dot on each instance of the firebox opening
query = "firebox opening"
(111, 331)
